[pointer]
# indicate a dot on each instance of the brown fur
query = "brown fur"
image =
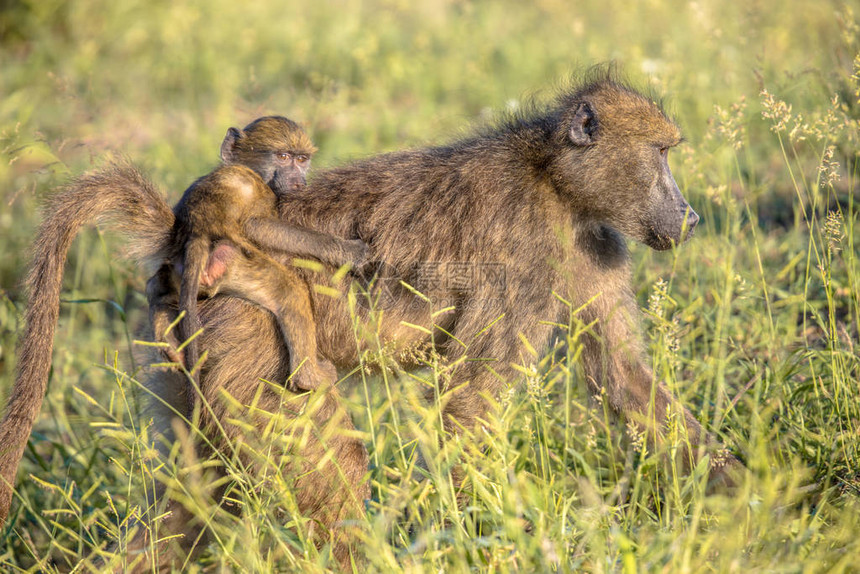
(117, 194)
(234, 207)
(547, 196)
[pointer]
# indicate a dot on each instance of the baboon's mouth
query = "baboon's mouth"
(690, 232)
(660, 241)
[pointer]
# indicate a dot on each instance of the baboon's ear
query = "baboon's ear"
(228, 152)
(583, 128)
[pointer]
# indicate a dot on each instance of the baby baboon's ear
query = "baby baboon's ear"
(228, 152)
(583, 128)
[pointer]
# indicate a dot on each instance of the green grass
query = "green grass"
(753, 324)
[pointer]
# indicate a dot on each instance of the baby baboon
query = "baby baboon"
(233, 208)
(233, 204)
(119, 195)
(280, 152)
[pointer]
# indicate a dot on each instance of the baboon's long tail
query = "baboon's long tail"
(118, 194)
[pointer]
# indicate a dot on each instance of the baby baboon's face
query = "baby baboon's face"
(275, 147)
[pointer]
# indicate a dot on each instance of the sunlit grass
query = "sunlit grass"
(753, 323)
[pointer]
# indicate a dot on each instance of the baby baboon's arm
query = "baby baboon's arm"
(271, 234)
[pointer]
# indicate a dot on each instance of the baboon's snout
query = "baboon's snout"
(672, 227)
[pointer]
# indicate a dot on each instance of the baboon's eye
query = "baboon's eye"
(664, 151)
(302, 158)
(282, 156)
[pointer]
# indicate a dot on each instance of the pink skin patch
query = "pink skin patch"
(219, 259)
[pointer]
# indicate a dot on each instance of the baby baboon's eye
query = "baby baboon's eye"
(282, 156)
(664, 151)
(302, 158)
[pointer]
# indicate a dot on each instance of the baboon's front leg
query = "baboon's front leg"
(614, 363)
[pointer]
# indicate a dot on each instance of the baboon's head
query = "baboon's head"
(277, 148)
(615, 164)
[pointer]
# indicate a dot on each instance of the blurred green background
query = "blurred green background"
(754, 323)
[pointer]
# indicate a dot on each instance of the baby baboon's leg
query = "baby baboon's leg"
(298, 327)
(282, 291)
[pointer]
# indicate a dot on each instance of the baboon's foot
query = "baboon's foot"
(170, 352)
(726, 473)
(313, 375)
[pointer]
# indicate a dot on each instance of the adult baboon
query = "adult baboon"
(542, 200)
(501, 225)
(539, 203)
(280, 152)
